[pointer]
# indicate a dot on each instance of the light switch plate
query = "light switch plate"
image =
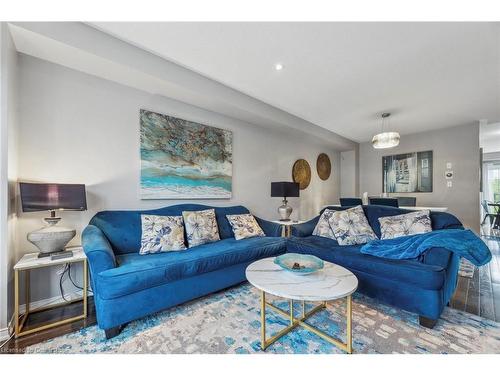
(448, 165)
(449, 184)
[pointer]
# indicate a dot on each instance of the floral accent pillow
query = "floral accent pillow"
(323, 228)
(201, 227)
(405, 225)
(245, 226)
(351, 227)
(161, 233)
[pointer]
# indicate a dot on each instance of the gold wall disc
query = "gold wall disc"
(323, 166)
(301, 173)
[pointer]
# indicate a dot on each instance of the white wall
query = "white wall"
(489, 137)
(349, 174)
(8, 161)
(457, 145)
(78, 128)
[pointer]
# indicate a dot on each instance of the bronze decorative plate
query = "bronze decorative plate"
(323, 166)
(301, 173)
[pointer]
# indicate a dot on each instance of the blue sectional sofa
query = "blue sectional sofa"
(128, 286)
(423, 286)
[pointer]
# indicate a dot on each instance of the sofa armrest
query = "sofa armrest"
(98, 250)
(437, 256)
(270, 229)
(305, 229)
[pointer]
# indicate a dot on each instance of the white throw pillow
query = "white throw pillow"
(323, 228)
(351, 227)
(161, 233)
(405, 224)
(201, 227)
(245, 226)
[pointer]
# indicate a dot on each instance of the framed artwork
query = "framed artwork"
(407, 173)
(181, 159)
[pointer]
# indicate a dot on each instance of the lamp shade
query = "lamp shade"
(284, 189)
(47, 197)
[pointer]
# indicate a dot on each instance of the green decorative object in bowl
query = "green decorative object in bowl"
(300, 264)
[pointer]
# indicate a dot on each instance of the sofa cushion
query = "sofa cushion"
(136, 272)
(245, 226)
(350, 227)
(405, 225)
(406, 271)
(201, 227)
(161, 233)
(323, 228)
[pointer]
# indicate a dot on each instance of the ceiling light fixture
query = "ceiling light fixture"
(278, 66)
(385, 139)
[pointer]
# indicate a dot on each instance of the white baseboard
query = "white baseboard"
(47, 302)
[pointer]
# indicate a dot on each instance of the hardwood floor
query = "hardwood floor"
(17, 346)
(479, 295)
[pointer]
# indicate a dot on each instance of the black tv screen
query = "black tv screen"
(46, 197)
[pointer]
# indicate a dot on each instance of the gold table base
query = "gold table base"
(19, 322)
(296, 322)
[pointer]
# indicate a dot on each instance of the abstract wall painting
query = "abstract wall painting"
(182, 159)
(407, 173)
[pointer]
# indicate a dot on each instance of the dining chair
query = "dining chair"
(347, 202)
(393, 202)
(407, 201)
(487, 213)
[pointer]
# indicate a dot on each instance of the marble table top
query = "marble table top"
(31, 260)
(288, 223)
(331, 282)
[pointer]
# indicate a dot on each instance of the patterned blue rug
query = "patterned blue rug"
(229, 322)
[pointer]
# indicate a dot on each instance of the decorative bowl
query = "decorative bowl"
(300, 264)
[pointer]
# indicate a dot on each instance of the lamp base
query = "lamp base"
(51, 239)
(285, 211)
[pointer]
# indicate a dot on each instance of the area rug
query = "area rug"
(229, 322)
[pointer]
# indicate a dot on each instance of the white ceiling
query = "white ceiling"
(341, 76)
(489, 138)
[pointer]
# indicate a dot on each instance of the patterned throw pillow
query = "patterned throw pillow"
(245, 226)
(405, 225)
(201, 227)
(323, 228)
(161, 233)
(351, 227)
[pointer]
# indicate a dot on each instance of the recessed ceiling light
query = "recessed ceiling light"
(278, 66)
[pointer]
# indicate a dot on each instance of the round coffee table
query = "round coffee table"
(330, 283)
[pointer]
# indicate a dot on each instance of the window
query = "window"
(492, 181)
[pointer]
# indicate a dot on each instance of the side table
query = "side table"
(31, 261)
(287, 226)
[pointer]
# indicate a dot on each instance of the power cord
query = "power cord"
(61, 282)
(67, 269)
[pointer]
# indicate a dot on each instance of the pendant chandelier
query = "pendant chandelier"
(385, 139)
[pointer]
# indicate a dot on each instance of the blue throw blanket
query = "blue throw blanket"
(462, 242)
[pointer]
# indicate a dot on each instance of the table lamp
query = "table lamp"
(51, 197)
(284, 189)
